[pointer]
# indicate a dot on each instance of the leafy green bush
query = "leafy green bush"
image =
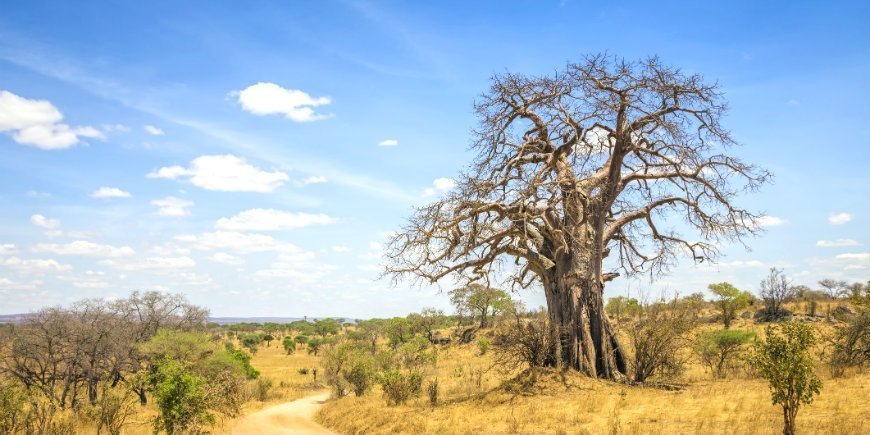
(719, 350)
(349, 366)
(483, 345)
(244, 362)
(251, 341)
(302, 370)
(182, 400)
(289, 344)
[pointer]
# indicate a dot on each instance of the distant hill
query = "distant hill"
(13, 318)
(234, 320)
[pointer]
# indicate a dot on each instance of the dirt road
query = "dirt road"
(287, 418)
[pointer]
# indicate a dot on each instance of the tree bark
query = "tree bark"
(789, 417)
(586, 341)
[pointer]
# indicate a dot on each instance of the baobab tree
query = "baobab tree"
(608, 159)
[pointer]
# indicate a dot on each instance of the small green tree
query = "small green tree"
(289, 344)
(251, 341)
(324, 327)
(398, 331)
(719, 349)
(729, 300)
(181, 396)
(349, 366)
(783, 358)
(268, 339)
(622, 306)
(476, 300)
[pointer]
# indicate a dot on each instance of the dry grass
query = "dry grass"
(571, 403)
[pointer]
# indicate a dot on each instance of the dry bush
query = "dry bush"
(658, 342)
(399, 386)
(112, 409)
(526, 343)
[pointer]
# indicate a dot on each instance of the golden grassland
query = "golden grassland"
(476, 397)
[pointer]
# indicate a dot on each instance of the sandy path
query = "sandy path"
(287, 418)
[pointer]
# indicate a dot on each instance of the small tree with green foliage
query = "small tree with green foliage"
(251, 341)
(783, 358)
(476, 300)
(349, 366)
(324, 327)
(718, 350)
(289, 344)
(398, 331)
(729, 300)
(268, 338)
(181, 397)
(622, 306)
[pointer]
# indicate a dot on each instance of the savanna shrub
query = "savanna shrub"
(483, 345)
(432, 391)
(720, 350)
(112, 409)
(527, 342)
(400, 386)
(262, 388)
(349, 366)
(783, 358)
(658, 341)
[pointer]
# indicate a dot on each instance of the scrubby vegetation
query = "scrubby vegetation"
(680, 355)
(169, 371)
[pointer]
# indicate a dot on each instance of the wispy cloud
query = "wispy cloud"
(840, 218)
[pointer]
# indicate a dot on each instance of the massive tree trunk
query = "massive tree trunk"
(576, 311)
(574, 288)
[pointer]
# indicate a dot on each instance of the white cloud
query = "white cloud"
(225, 173)
(340, 248)
(112, 128)
(8, 249)
(8, 284)
(172, 206)
(259, 219)
(857, 256)
(44, 222)
(297, 264)
(313, 179)
(270, 99)
(770, 221)
(38, 194)
(37, 123)
(36, 265)
(84, 248)
(109, 192)
(836, 243)
(388, 143)
(152, 263)
(153, 131)
(233, 241)
(840, 218)
(223, 257)
(439, 186)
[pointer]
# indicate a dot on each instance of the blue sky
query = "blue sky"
(254, 157)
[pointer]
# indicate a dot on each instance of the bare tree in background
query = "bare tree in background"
(776, 289)
(606, 159)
